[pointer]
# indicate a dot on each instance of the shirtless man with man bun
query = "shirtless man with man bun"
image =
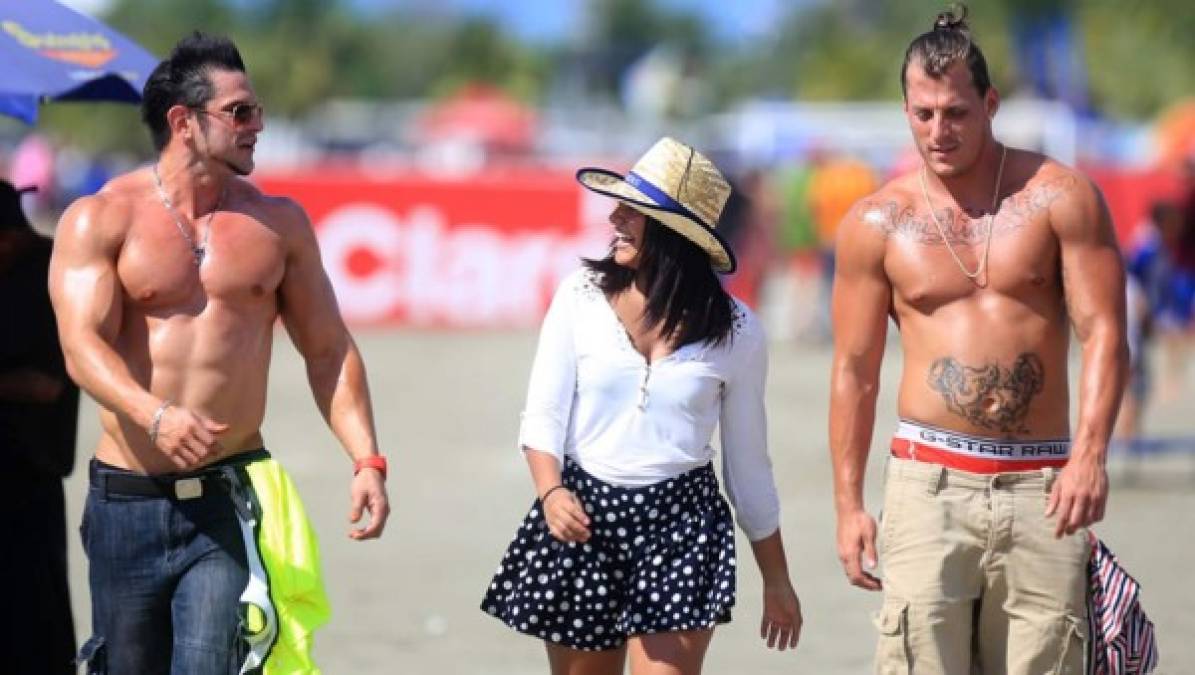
(985, 258)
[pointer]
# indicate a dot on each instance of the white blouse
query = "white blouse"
(594, 397)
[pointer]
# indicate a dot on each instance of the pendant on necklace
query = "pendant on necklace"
(198, 253)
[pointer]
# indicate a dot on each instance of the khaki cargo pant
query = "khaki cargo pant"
(974, 580)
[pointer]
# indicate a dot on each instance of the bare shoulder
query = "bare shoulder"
(102, 219)
(280, 212)
(1043, 169)
(1074, 202)
(1045, 181)
(888, 211)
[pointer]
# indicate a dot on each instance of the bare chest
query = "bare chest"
(243, 263)
(1014, 255)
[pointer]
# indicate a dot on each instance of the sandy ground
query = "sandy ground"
(447, 408)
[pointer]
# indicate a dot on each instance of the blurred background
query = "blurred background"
(433, 144)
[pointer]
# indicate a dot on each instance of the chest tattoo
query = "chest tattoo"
(898, 218)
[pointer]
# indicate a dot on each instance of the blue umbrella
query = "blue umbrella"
(49, 52)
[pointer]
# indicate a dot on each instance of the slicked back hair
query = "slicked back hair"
(947, 43)
(685, 300)
(184, 79)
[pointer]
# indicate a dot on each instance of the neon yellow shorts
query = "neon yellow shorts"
(284, 601)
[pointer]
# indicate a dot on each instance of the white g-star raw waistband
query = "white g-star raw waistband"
(979, 447)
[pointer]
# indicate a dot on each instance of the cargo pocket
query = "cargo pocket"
(95, 654)
(1073, 648)
(892, 653)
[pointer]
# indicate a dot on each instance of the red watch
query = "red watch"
(372, 462)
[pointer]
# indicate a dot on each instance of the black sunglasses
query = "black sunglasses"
(241, 113)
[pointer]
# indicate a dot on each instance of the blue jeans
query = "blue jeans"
(166, 578)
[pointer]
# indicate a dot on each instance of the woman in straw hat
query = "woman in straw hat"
(629, 547)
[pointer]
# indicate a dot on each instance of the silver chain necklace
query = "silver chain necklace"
(991, 217)
(198, 251)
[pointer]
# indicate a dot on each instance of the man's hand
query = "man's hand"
(368, 493)
(857, 548)
(1079, 495)
(566, 517)
(187, 438)
(781, 624)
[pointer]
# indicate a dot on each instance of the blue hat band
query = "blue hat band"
(660, 197)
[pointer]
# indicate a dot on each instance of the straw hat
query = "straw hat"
(677, 186)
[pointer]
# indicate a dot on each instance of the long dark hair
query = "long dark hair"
(685, 300)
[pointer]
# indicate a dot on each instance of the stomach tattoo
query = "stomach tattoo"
(989, 396)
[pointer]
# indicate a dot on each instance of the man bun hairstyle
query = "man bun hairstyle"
(948, 42)
(183, 79)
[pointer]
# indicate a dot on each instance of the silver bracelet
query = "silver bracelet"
(157, 420)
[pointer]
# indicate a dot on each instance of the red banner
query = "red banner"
(1130, 194)
(415, 250)
(488, 250)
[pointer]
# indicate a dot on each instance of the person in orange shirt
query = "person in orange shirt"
(836, 184)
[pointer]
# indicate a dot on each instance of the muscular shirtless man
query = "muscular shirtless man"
(984, 258)
(166, 286)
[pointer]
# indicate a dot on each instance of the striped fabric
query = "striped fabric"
(1122, 636)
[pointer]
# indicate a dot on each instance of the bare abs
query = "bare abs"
(976, 355)
(200, 363)
(989, 396)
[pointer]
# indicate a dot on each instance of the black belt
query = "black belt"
(192, 485)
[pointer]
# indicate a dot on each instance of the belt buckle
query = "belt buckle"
(188, 488)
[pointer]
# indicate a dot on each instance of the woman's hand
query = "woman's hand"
(565, 516)
(781, 624)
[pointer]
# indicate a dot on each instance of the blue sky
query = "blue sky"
(557, 20)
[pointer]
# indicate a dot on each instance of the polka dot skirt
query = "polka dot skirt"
(660, 558)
